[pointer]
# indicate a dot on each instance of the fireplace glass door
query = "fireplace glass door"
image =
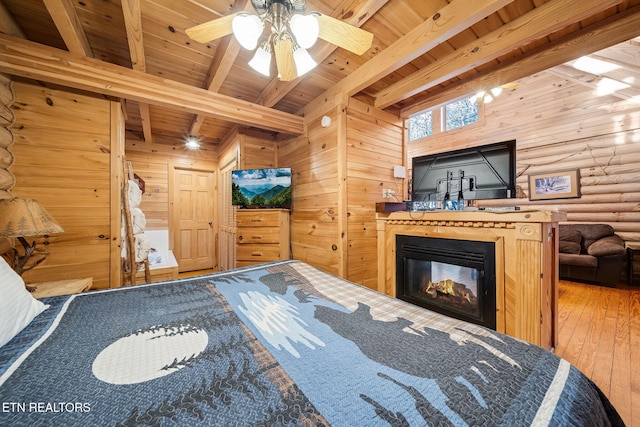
(452, 277)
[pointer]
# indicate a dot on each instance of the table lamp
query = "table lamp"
(22, 218)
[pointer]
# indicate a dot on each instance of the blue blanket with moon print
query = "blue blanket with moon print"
(280, 344)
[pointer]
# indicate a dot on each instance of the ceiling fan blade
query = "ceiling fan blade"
(284, 59)
(211, 30)
(344, 35)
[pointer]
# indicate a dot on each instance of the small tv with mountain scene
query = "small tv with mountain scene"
(261, 188)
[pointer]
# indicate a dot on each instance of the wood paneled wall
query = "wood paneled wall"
(317, 230)
(257, 152)
(339, 173)
(151, 163)
(563, 125)
(65, 153)
(240, 150)
(374, 147)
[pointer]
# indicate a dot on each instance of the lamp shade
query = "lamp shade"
(247, 30)
(305, 29)
(261, 61)
(25, 217)
(304, 62)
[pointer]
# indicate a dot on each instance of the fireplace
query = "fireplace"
(453, 277)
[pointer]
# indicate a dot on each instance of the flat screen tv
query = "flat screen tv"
(261, 188)
(485, 172)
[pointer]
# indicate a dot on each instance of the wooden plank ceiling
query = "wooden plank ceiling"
(424, 52)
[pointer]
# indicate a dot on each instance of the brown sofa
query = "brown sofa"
(591, 253)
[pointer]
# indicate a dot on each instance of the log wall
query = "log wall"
(65, 153)
(563, 125)
(7, 118)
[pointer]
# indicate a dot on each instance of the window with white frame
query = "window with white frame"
(420, 125)
(460, 113)
(452, 115)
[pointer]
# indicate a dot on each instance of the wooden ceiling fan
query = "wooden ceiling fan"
(292, 32)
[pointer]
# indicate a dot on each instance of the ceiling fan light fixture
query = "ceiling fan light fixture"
(291, 31)
(304, 62)
(305, 29)
(247, 29)
(261, 61)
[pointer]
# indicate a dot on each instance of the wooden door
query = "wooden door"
(193, 218)
(227, 221)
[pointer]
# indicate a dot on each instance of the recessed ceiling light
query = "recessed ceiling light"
(192, 142)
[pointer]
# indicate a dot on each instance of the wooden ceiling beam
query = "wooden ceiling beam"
(8, 25)
(133, 25)
(595, 37)
(226, 55)
(545, 19)
(446, 23)
(39, 62)
(353, 12)
(64, 15)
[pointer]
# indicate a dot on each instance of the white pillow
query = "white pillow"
(17, 306)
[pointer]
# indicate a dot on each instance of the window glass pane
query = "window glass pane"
(420, 126)
(460, 113)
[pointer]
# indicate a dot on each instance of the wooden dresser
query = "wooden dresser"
(262, 235)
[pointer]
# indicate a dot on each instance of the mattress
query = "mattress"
(278, 344)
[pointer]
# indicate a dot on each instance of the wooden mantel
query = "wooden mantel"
(526, 245)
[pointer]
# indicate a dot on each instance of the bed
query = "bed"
(278, 344)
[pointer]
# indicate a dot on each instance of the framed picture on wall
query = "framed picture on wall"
(555, 185)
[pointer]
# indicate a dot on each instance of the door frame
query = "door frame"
(173, 167)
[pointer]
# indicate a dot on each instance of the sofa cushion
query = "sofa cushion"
(569, 240)
(578, 260)
(594, 232)
(569, 234)
(610, 245)
(569, 247)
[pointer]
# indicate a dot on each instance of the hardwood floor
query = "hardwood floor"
(195, 273)
(599, 333)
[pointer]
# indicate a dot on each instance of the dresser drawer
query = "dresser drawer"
(258, 218)
(258, 252)
(258, 235)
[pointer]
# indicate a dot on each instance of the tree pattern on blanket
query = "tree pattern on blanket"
(218, 392)
(249, 374)
(386, 343)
